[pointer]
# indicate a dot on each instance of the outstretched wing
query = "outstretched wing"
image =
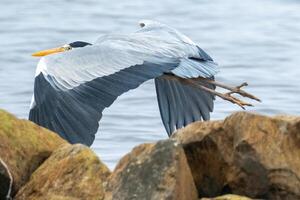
(71, 89)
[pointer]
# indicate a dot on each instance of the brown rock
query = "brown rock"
(227, 197)
(72, 172)
(247, 154)
(23, 147)
(152, 171)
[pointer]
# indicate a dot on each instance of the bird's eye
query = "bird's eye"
(67, 47)
(142, 24)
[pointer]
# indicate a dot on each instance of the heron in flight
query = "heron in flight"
(76, 82)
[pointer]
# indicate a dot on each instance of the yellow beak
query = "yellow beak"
(49, 51)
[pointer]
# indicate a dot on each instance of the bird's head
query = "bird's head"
(66, 47)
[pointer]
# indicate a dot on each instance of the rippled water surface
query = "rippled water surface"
(257, 41)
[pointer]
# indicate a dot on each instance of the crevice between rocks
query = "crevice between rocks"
(10, 181)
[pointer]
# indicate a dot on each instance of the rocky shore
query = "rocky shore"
(246, 156)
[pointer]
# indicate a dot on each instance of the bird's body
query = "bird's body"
(72, 88)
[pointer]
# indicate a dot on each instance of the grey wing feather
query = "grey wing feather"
(192, 68)
(181, 104)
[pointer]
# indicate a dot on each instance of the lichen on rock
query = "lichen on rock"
(23, 147)
(71, 172)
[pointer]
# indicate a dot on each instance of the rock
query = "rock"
(228, 197)
(72, 172)
(246, 154)
(23, 147)
(152, 171)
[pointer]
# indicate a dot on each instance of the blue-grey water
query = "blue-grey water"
(257, 41)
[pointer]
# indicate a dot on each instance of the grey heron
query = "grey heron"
(76, 82)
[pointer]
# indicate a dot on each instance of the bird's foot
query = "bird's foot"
(232, 90)
(228, 96)
(201, 83)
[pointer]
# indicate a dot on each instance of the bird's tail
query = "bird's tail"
(181, 104)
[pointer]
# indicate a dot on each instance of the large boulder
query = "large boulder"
(72, 172)
(246, 154)
(23, 147)
(152, 171)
